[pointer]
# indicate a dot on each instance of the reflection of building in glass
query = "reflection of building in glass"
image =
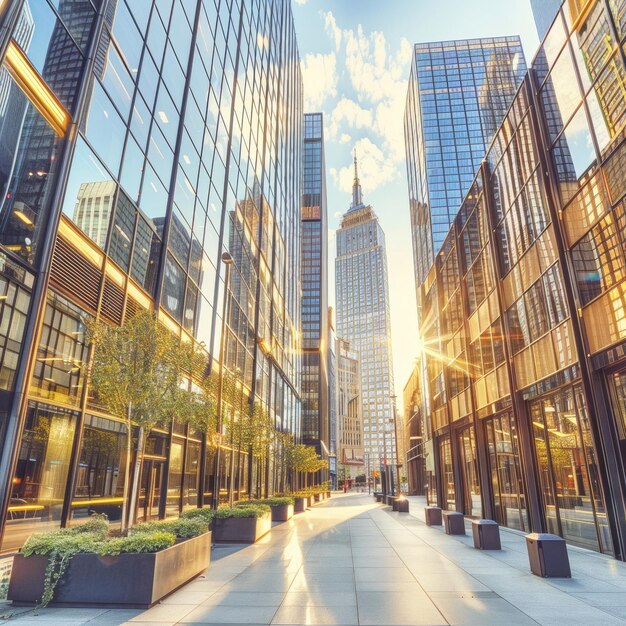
(458, 94)
(519, 393)
(93, 210)
(544, 12)
(363, 319)
(413, 425)
(314, 278)
(132, 209)
(351, 456)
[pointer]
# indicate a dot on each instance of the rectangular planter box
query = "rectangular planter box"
(300, 505)
(317, 497)
(309, 501)
(241, 529)
(126, 580)
(282, 512)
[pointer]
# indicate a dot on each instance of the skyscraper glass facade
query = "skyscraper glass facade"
(363, 319)
(314, 268)
(522, 390)
(351, 457)
(544, 12)
(458, 94)
(170, 133)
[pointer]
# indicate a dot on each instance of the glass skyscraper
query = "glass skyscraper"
(458, 94)
(137, 145)
(544, 12)
(521, 391)
(363, 319)
(314, 278)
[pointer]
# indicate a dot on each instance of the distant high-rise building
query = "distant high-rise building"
(351, 458)
(363, 319)
(458, 94)
(314, 278)
(94, 204)
(544, 12)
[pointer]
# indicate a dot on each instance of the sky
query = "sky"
(355, 57)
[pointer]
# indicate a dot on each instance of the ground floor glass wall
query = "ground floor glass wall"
(447, 473)
(40, 480)
(472, 503)
(504, 465)
(566, 459)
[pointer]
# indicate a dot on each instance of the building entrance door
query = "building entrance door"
(150, 489)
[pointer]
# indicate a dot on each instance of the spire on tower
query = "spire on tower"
(357, 195)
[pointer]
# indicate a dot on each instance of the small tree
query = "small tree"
(138, 373)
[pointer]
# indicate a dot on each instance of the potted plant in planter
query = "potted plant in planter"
(245, 524)
(282, 507)
(83, 565)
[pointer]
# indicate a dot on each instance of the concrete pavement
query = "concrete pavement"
(351, 561)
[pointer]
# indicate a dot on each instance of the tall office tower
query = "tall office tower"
(145, 141)
(363, 319)
(458, 94)
(544, 12)
(314, 278)
(350, 456)
(520, 394)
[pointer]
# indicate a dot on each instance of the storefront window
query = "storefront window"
(41, 474)
(192, 473)
(565, 454)
(445, 461)
(508, 491)
(471, 487)
(101, 469)
(175, 478)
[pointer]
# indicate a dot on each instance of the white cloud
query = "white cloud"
(374, 169)
(319, 74)
(348, 113)
(378, 75)
(333, 31)
(301, 1)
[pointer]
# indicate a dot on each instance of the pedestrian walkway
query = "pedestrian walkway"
(351, 561)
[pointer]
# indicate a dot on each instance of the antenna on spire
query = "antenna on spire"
(357, 196)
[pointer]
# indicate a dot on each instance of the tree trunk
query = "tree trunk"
(129, 454)
(136, 470)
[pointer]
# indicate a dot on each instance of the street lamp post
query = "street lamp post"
(227, 259)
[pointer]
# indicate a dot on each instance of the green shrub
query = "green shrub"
(203, 514)
(97, 524)
(244, 511)
(276, 501)
(138, 543)
(183, 528)
(59, 546)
